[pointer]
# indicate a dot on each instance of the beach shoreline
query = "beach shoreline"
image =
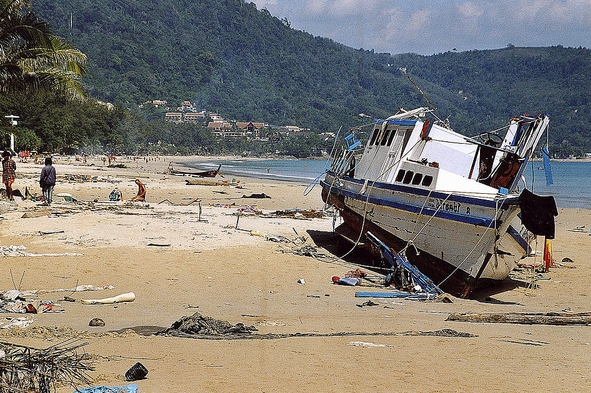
(214, 250)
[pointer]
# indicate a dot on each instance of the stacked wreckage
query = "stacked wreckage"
(449, 204)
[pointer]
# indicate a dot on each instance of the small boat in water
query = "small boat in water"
(450, 204)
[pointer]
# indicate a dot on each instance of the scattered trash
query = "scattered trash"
(114, 389)
(352, 277)
(410, 274)
(578, 229)
(115, 195)
(307, 251)
(136, 372)
(550, 318)
(257, 196)
(296, 213)
(19, 251)
(197, 324)
(368, 345)
(348, 281)
(368, 303)
(20, 322)
(67, 197)
(397, 294)
(96, 322)
(125, 297)
(28, 369)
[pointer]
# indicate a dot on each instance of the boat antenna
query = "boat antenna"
(421, 91)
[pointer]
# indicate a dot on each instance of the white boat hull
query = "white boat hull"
(453, 235)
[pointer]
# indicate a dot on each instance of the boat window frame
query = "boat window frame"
(408, 177)
(374, 136)
(427, 180)
(417, 179)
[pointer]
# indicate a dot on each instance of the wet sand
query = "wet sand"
(186, 250)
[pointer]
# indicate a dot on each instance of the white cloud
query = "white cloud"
(420, 20)
(427, 26)
(470, 10)
(264, 3)
(341, 8)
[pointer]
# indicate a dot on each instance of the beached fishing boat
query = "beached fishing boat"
(207, 173)
(447, 202)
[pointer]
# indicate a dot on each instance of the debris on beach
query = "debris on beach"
(257, 196)
(123, 298)
(248, 210)
(11, 322)
(200, 325)
(96, 322)
(306, 251)
(136, 372)
(28, 369)
(549, 318)
(580, 228)
(131, 388)
(203, 182)
(352, 278)
(297, 214)
(19, 251)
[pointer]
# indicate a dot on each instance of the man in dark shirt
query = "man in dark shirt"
(47, 181)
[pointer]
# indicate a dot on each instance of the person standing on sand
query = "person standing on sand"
(8, 173)
(47, 181)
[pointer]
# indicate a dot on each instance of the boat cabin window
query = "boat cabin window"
(376, 132)
(408, 177)
(416, 180)
(385, 137)
(391, 137)
(427, 180)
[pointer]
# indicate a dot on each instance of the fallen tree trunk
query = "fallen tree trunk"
(551, 318)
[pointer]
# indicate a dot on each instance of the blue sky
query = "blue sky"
(435, 26)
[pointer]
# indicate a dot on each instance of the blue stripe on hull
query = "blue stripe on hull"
(452, 216)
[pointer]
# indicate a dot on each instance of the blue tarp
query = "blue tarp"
(114, 389)
(547, 169)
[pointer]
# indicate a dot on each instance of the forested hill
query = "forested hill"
(227, 56)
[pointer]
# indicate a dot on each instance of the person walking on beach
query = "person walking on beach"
(47, 181)
(8, 173)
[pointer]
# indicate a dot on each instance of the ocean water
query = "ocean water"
(571, 188)
(303, 171)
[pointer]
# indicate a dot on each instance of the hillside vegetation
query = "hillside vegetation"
(229, 57)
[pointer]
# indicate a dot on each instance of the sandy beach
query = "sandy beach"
(212, 250)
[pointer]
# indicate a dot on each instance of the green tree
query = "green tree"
(32, 57)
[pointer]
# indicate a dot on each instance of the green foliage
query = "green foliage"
(49, 122)
(229, 57)
(32, 57)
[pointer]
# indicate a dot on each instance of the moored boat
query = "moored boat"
(447, 202)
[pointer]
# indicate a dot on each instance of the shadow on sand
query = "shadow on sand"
(339, 248)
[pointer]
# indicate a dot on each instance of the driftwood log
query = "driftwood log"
(550, 318)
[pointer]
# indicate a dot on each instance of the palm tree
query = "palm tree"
(32, 57)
